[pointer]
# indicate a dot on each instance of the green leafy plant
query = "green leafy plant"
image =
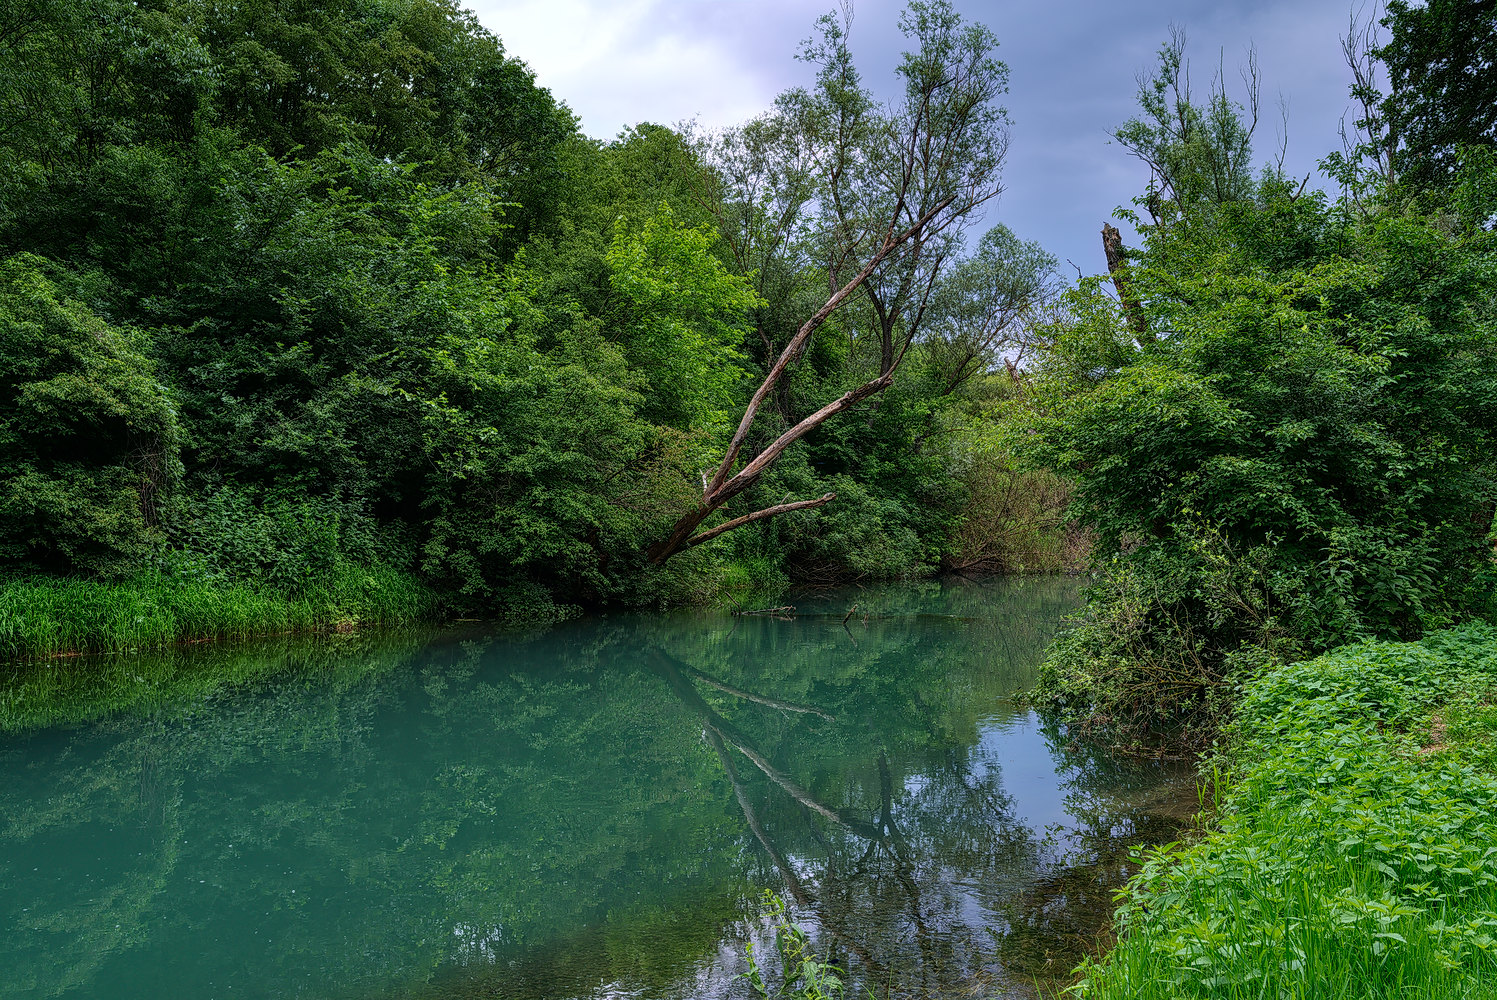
(1298, 455)
(1352, 851)
(803, 975)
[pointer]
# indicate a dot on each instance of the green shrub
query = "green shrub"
(802, 973)
(1162, 645)
(232, 534)
(1015, 519)
(1300, 454)
(88, 437)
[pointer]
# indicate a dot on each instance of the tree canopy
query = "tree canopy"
(346, 266)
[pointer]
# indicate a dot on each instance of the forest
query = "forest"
(328, 313)
(327, 318)
(320, 315)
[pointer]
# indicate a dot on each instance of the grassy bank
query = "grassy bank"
(1354, 849)
(48, 616)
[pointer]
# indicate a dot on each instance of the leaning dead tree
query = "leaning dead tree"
(890, 189)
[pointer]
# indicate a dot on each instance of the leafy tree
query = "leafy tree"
(981, 311)
(680, 319)
(1304, 458)
(1441, 60)
(1197, 154)
(88, 436)
(893, 186)
(404, 313)
(109, 109)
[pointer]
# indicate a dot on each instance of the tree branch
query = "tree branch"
(757, 515)
(792, 350)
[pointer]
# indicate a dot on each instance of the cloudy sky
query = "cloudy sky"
(1073, 69)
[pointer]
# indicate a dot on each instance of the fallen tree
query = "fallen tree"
(891, 189)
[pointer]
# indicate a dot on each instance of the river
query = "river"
(592, 810)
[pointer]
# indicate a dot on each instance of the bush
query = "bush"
(1300, 450)
(1164, 643)
(88, 437)
(1015, 518)
(229, 533)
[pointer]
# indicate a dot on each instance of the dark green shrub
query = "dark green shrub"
(233, 534)
(88, 436)
(1300, 454)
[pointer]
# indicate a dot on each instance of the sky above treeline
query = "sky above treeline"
(1073, 79)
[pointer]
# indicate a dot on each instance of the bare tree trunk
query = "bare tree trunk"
(1112, 246)
(725, 484)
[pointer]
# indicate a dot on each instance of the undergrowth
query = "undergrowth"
(52, 616)
(1356, 848)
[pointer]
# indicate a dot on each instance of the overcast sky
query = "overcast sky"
(1073, 69)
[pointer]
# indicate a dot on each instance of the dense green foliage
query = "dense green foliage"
(289, 291)
(1282, 431)
(1305, 458)
(88, 437)
(1352, 851)
(1285, 439)
(1441, 59)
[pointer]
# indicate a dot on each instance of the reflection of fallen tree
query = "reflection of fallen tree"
(720, 734)
(674, 673)
(884, 838)
(784, 706)
(803, 897)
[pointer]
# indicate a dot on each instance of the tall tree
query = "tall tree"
(982, 309)
(1196, 153)
(890, 186)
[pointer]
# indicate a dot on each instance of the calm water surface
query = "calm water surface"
(592, 810)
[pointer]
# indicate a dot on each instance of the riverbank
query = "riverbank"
(44, 617)
(1354, 846)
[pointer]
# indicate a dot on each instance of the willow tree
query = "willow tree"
(882, 192)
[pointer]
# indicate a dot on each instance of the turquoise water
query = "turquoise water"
(591, 810)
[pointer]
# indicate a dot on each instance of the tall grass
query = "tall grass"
(1356, 848)
(46, 616)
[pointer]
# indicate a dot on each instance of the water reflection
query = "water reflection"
(589, 811)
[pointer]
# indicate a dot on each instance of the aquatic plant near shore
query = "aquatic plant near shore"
(803, 975)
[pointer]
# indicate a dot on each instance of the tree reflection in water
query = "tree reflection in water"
(933, 888)
(587, 811)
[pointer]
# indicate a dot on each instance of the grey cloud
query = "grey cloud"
(1073, 68)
